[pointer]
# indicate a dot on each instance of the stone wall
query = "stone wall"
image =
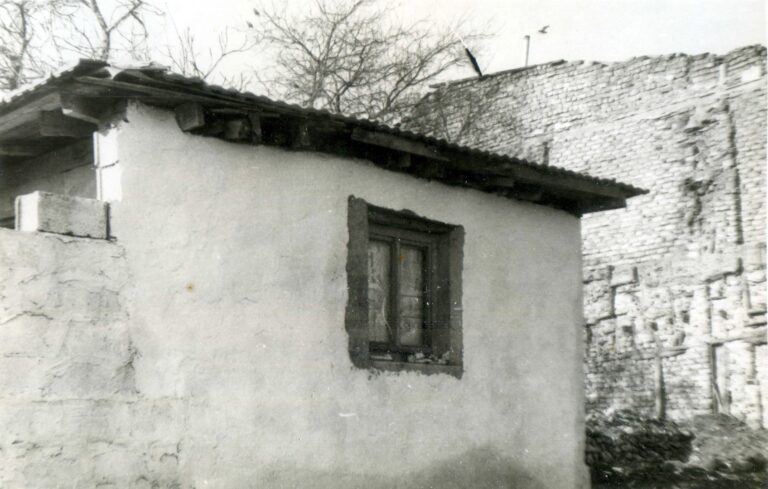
(682, 268)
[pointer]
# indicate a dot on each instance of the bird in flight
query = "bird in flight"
(471, 57)
(543, 30)
(472, 60)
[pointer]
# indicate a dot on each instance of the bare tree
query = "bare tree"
(454, 113)
(348, 56)
(100, 29)
(39, 36)
(188, 58)
(21, 25)
(15, 35)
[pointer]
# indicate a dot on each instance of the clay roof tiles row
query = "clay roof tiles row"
(156, 76)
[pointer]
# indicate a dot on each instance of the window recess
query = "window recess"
(404, 274)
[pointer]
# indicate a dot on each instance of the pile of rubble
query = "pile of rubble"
(624, 445)
(708, 452)
(725, 444)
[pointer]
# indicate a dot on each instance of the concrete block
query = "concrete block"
(61, 214)
(109, 183)
(625, 303)
(656, 302)
(754, 257)
(716, 289)
(598, 301)
(106, 148)
(625, 324)
(757, 319)
(714, 267)
(623, 275)
(751, 74)
(591, 274)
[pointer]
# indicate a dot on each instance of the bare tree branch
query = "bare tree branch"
(90, 28)
(187, 57)
(19, 26)
(347, 56)
(454, 114)
(342, 55)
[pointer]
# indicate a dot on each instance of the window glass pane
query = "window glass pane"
(411, 295)
(379, 258)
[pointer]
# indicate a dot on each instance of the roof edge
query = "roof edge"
(435, 159)
(633, 59)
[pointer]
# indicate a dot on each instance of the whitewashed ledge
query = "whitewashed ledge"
(62, 214)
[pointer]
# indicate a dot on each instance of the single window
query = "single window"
(404, 274)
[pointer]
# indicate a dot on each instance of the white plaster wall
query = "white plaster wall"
(237, 255)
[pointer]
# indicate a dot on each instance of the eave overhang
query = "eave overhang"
(73, 104)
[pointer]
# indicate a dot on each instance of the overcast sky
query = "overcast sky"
(597, 30)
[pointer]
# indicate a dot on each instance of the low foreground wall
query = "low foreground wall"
(71, 415)
(67, 386)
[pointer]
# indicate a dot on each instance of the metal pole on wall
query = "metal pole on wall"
(658, 374)
(527, 48)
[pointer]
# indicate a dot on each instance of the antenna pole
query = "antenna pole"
(527, 48)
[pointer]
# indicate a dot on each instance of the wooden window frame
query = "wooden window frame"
(397, 237)
(443, 334)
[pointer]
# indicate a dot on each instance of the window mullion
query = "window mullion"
(395, 289)
(429, 293)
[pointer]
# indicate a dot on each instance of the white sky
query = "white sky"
(600, 30)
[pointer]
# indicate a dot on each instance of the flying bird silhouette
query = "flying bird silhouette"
(543, 30)
(471, 57)
(256, 12)
(473, 61)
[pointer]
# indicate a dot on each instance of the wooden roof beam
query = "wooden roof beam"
(167, 95)
(503, 182)
(53, 123)
(189, 116)
(602, 205)
(244, 129)
(566, 183)
(397, 143)
(301, 137)
(81, 108)
(232, 124)
(536, 193)
(27, 113)
(23, 149)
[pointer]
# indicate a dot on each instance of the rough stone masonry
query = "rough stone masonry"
(675, 292)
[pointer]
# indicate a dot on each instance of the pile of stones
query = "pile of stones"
(624, 445)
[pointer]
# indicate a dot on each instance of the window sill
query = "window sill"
(424, 368)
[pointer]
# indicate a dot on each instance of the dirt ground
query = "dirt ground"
(726, 454)
(725, 444)
(737, 483)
